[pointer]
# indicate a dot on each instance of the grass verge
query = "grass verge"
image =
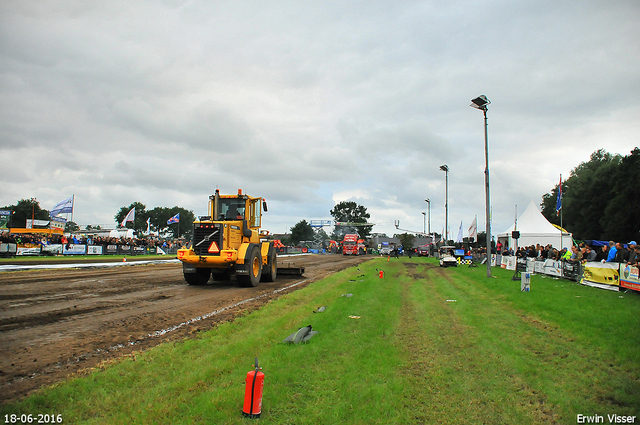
(422, 345)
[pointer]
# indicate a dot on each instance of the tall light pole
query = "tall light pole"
(424, 225)
(481, 103)
(33, 212)
(445, 168)
(429, 209)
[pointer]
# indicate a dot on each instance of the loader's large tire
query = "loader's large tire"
(253, 265)
(200, 277)
(269, 274)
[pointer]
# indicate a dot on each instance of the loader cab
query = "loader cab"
(231, 209)
(237, 207)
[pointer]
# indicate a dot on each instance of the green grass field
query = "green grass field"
(430, 345)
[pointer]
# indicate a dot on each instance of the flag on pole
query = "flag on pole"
(62, 207)
(174, 219)
(459, 238)
(559, 200)
(148, 225)
(473, 230)
(131, 216)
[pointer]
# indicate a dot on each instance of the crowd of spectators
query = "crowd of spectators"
(582, 253)
(34, 240)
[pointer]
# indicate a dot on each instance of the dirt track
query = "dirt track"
(54, 323)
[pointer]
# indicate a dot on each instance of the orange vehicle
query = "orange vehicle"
(278, 245)
(362, 249)
(333, 247)
(350, 244)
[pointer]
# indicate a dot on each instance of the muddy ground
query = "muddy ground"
(55, 323)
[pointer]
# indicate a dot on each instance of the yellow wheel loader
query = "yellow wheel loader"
(228, 241)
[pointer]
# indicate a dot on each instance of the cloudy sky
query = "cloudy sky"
(309, 103)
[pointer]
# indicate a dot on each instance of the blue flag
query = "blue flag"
(559, 200)
(174, 219)
(62, 207)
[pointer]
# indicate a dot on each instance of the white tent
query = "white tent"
(535, 229)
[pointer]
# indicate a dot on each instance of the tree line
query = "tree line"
(158, 217)
(600, 199)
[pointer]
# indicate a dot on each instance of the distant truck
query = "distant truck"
(385, 249)
(362, 249)
(350, 244)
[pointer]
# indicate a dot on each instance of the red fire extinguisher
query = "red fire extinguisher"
(253, 393)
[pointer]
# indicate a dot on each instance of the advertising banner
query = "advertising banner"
(58, 223)
(5, 216)
(94, 249)
(126, 249)
(22, 250)
(525, 282)
(511, 263)
(601, 275)
(629, 277)
(112, 249)
(74, 249)
(138, 250)
(553, 268)
(52, 249)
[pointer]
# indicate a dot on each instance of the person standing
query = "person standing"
(611, 257)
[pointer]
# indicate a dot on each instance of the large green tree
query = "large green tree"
(407, 240)
(139, 223)
(350, 213)
(600, 199)
(302, 231)
(24, 210)
(159, 216)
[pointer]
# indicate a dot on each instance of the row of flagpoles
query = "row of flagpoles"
(66, 207)
(473, 231)
(131, 216)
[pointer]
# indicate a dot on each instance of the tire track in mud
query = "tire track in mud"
(44, 339)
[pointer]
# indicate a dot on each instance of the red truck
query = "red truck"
(350, 244)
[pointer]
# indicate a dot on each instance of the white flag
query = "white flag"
(459, 238)
(473, 230)
(131, 216)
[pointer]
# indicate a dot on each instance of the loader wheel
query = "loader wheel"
(200, 277)
(269, 275)
(253, 264)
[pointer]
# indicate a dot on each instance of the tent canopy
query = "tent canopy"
(535, 229)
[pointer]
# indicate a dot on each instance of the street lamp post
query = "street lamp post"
(429, 209)
(481, 103)
(445, 168)
(33, 212)
(424, 225)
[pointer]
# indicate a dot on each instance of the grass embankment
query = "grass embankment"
(431, 346)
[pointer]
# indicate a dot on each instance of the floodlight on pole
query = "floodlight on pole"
(429, 209)
(481, 103)
(424, 225)
(445, 168)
